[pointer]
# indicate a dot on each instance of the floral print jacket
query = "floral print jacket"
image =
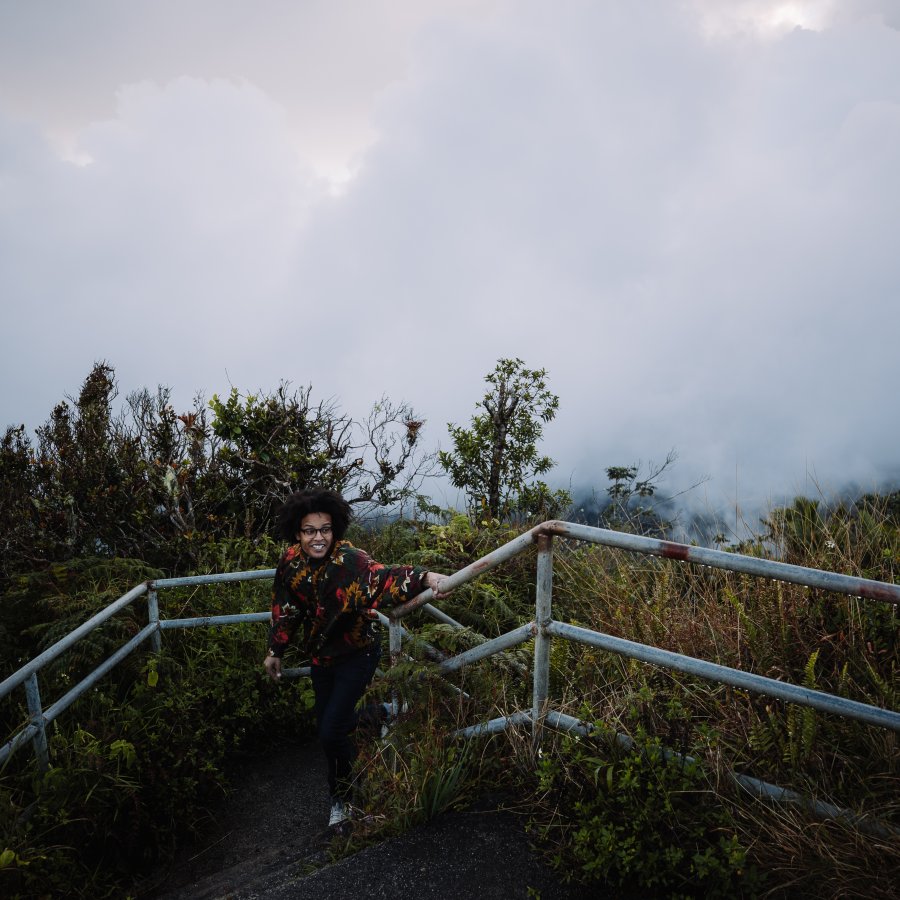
(330, 599)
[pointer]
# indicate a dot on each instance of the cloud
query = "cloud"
(155, 252)
(322, 61)
(772, 19)
(691, 229)
(693, 237)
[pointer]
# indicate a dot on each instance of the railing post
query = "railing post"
(39, 741)
(153, 616)
(395, 645)
(542, 618)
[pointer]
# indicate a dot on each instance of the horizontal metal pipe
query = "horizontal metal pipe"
(488, 648)
(89, 681)
(71, 638)
(737, 562)
(441, 616)
(301, 671)
(753, 785)
(829, 703)
(564, 722)
(219, 578)
(431, 652)
(490, 561)
(494, 726)
(819, 807)
(296, 673)
(16, 741)
(202, 621)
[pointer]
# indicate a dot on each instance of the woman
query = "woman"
(332, 589)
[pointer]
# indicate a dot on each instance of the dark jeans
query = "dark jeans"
(337, 690)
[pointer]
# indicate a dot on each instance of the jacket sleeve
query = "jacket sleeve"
(379, 585)
(285, 614)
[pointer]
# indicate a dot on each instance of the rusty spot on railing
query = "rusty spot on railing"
(551, 526)
(674, 551)
(877, 592)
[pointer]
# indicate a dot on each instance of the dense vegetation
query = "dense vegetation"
(104, 501)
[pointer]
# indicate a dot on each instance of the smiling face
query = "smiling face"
(314, 543)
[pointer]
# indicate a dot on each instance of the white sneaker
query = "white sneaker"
(340, 813)
(390, 717)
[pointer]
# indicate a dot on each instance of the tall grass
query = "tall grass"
(828, 642)
(153, 741)
(136, 761)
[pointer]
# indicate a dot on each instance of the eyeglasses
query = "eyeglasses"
(309, 532)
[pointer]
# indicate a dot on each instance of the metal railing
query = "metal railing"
(543, 629)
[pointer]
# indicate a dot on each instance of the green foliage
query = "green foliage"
(272, 444)
(632, 503)
(135, 761)
(203, 701)
(118, 798)
(41, 607)
(278, 443)
(442, 778)
(74, 490)
(147, 483)
(864, 535)
(400, 540)
(842, 645)
(494, 459)
(104, 501)
(103, 484)
(538, 502)
(637, 820)
(799, 528)
(83, 813)
(418, 771)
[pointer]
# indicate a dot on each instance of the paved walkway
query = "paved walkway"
(267, 842)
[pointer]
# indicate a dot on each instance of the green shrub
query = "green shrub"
(636, 820)
(74, 829)
(138, 758)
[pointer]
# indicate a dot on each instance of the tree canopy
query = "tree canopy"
(146, 482)
(495, 460)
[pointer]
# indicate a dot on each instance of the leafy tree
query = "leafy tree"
(85, 468)
(495, 458)
(100, 483)
(632, 503)
(273, 444)
(631, 496)
(17, 488)
(147, 483)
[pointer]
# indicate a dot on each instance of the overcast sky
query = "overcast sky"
(688, 213)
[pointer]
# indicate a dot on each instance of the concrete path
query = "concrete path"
(267, 842)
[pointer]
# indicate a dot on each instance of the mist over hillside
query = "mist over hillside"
(686, 212)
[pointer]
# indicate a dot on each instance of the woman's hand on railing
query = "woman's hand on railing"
(434, 580)
(272, 665)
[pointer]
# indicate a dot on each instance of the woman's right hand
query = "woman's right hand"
(272, 666)
(435, 580)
